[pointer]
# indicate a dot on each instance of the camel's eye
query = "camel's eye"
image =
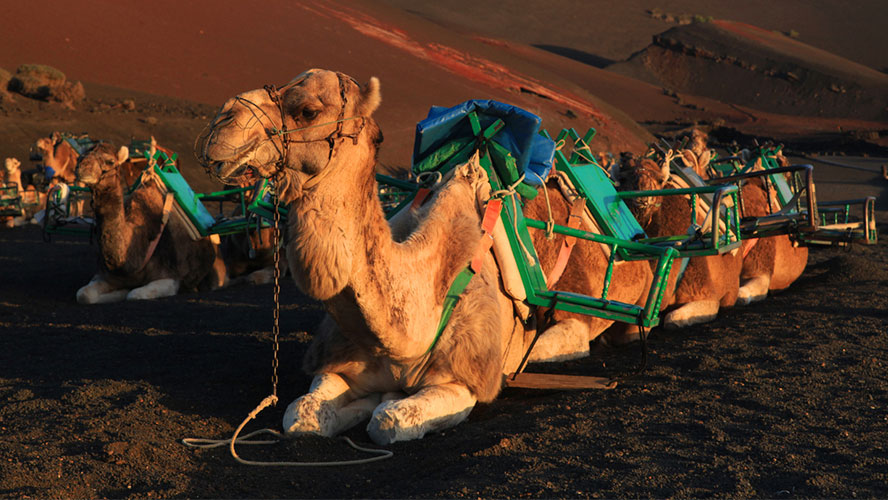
(309, 114)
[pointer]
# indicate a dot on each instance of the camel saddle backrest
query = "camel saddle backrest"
(449, 136)
(532, 152)
(188, 207)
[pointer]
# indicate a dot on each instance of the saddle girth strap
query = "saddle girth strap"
(451, 298)
(167, 208)
(574, 220)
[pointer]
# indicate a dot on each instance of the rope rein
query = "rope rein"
(272, 399)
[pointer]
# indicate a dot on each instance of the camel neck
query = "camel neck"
(114, 232)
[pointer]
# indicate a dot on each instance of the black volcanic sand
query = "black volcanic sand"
(783, 399)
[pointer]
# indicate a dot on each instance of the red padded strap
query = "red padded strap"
(421, 195)
(491, 216)
(573, 222)
(167, 207)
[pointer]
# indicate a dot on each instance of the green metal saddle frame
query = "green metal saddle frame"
(255, 205)
(613, 216)
(800, 214)
(10, 200)
(501, 169)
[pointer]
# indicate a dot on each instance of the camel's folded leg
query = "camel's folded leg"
(261, 277)
(99, 291)
(753, 290)
(692, 313)
(431, 409)
(566, 339)
(165, 287)
(328, 408)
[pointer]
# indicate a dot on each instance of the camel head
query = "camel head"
(100, 163)
(697, 153)
(12, 165)
(642, 174)
(44, 146)
(299, 128)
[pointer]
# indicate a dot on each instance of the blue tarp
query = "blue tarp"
(533, 153)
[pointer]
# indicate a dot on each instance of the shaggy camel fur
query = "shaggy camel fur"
(127, 228)
(376, 354)
(709, 282)
(771, 263)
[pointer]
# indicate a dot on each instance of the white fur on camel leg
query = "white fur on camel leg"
(328, 408)
(567, 339)
(98, 291)
(166, 287)
(431, 409)
(753, 290)
(691, 313)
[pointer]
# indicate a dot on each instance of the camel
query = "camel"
(142, 254)
(12, 175)
(708, 283)
(58, 155)
(31, 199)
(376, 354)
(769, 264)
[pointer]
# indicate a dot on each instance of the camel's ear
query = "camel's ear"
(614, 171)
(122, 154)
(689, 158)
(705, 158)
(370, 97)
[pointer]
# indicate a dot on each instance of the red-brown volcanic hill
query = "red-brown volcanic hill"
(208, 51)
(742, 64)
(598, 32)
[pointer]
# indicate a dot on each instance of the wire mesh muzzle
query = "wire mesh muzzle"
(220, 143)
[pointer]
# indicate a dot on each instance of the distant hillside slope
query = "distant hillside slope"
(742, 64)
(599, 32)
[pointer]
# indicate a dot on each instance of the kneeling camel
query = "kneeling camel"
(376, 354)
(143, 252)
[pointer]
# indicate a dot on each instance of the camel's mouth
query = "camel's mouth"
(86, 175)
(233, 161)
(232, 173)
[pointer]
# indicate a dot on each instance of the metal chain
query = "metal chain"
(276, 327)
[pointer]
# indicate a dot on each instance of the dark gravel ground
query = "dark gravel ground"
(783, 399)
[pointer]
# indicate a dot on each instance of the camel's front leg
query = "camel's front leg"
(433, 408)
(329, 407)
(753, 290)
(692, 313)
(566, 339)
(166, 287)
(99, 291)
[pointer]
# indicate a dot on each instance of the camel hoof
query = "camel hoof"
(308, 415)
(386, 427)
(86, 295)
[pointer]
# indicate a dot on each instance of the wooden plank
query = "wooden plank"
(552, 381)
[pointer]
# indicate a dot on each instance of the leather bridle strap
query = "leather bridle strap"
(165, 217)
(284, 134)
